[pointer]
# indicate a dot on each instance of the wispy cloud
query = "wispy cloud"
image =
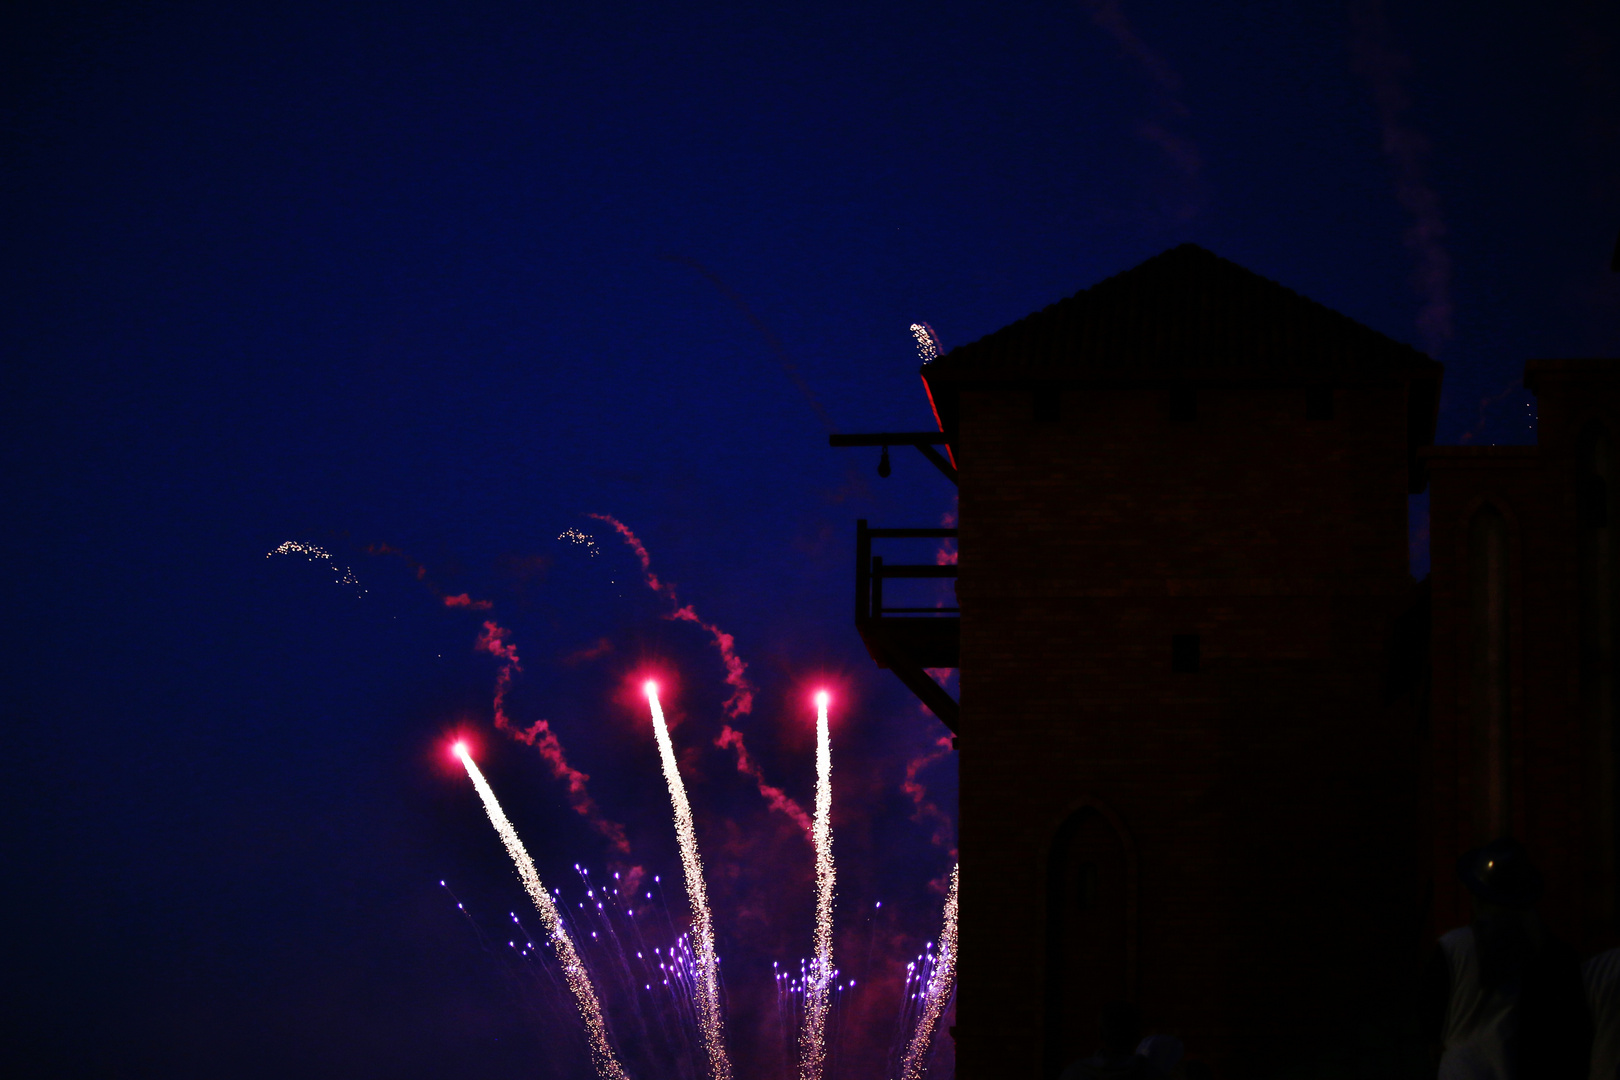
(1162, 128)
(1374, 57)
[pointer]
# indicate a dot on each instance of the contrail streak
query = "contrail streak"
(579, 979)
(813, 1037)
(708, 977)
(938, 992)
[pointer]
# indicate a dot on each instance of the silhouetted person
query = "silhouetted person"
(1163, 1051)
(1119, 1032)
(1602, 974)
(1504, 999)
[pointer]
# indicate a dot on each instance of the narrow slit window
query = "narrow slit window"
(1183, 404)
(1048, 404)
(1184, 653)
(1085, 892)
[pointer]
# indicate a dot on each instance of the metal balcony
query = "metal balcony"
(907, 640)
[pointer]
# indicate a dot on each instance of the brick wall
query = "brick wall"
(1268, 800)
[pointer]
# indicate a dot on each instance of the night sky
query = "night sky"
(429, 286)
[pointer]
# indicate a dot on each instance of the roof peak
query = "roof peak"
(1177, 314)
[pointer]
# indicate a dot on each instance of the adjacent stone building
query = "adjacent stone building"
(1522, 730)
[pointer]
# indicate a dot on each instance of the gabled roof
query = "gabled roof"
(1180, 315)
(1189, 316)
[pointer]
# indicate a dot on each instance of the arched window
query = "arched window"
(1594, 491)
(1488, 594)
(1088, 928)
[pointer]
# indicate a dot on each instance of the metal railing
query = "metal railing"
(871, 571)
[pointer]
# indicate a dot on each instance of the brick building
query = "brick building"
(1201, 767)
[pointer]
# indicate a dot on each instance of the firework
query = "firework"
(314, 553)
(937, 991)
(928, 348)
(579, 979)
(813, 1036)
(706, 975)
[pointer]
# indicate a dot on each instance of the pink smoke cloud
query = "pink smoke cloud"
(1374, 58)
(494, 639)
(775, 797)
(590, 652)
(539, 735)
(925, 808)
(640, 549)
(741, 701)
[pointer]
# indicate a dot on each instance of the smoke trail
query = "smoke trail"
(813, 1037)
(771, 339)
(775, 797)
(1376, 60)
(1486, 404)
(540, 736)
(924, 807)
(707, 977)
(1180, 150)
(939, 990)
(579, 979)
(741, 701)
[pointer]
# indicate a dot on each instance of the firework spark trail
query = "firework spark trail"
(813, 1037)
(706, 975)
(539, 735)
(579, 979)
(938, 991)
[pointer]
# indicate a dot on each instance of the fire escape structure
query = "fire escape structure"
(908, 641)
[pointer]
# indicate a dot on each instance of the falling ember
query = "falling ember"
(813, 1037)
(938, 991)
(707, 974)
(579, 979)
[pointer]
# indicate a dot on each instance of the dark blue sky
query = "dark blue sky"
(444, 279)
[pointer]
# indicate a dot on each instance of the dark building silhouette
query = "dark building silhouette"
(1207, 764)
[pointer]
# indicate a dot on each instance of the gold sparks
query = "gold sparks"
(927, 342)
(938, 992)
(314, 553)
(818, 983)
(708, 975)
(579, 979)
(574, 536)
